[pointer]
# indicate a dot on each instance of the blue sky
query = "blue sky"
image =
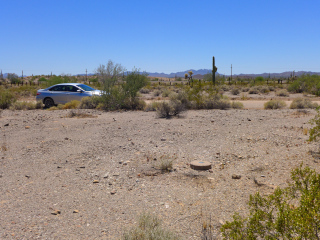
(70, 36)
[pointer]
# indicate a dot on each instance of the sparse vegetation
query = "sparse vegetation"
(149, 228)
(302, 103)
(18, 105)
(6, 98)
(282, 93)
(274, 104)
(289, 213)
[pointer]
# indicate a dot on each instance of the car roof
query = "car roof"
(74, 84)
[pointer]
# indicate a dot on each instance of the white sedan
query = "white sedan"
(65, 92)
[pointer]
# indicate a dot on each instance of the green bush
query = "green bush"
(274, 104)
(289, 213)
(315, 131)
(301, 103)
(6, 98)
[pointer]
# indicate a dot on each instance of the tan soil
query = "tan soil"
(101, 172)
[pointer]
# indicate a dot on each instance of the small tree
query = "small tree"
(290, 213)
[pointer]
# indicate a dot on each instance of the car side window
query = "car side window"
(57, 88)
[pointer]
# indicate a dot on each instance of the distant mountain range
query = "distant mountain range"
(201, 72)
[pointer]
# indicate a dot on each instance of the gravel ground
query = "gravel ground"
(91, 177)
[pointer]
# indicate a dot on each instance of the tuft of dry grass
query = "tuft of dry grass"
(149, 228)
(77, 114)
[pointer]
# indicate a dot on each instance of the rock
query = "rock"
(75, 211)
(235, 176)
(95, 181)
(106, 175)
(116, 174)
(56, 212)
(27, 127)
(6, 125)
(113, 192)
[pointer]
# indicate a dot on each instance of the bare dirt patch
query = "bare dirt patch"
(89, 178)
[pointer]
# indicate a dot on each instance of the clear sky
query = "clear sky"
(70, 36)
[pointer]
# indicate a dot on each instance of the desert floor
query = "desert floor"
(90, 178)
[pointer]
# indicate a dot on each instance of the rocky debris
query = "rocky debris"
(235, 176)
(56, 212)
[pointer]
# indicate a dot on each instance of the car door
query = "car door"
(74, 93)
(58, 94)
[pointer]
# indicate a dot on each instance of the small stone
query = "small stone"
(235, 176)
(66, 138)
(125, 163)
(56, 212)
(106, 175)
(95, 181)
(6, 125)
(27, 127)
(163, 139)
(210, 170)
(113, 192)
(116, 174)
(75, 211)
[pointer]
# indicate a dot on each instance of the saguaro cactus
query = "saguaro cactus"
(214, 70)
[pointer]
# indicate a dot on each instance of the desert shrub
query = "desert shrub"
(217, 103)
(157, 93)
(245, 89)
(151, 106)
(244, 96)
(6, 98)
(264, 89)
(301, 103)
(274, 104)
(225, 88)
(134, 104)
(89, 102)
(235, 91)
(315, 130)
(271, 88)
(282, 93)
(26, 105)
(169, 109)
(144, 90)
(120, 92)
(237, 105)
(254, 90)
(289, 213)
(71, 105)
(24, 91)
(166, 93)
(149, 228)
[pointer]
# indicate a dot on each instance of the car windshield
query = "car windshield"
(85, 87)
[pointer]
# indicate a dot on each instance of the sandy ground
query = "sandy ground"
(90, 178)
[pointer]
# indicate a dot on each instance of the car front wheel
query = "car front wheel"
(48, 102)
